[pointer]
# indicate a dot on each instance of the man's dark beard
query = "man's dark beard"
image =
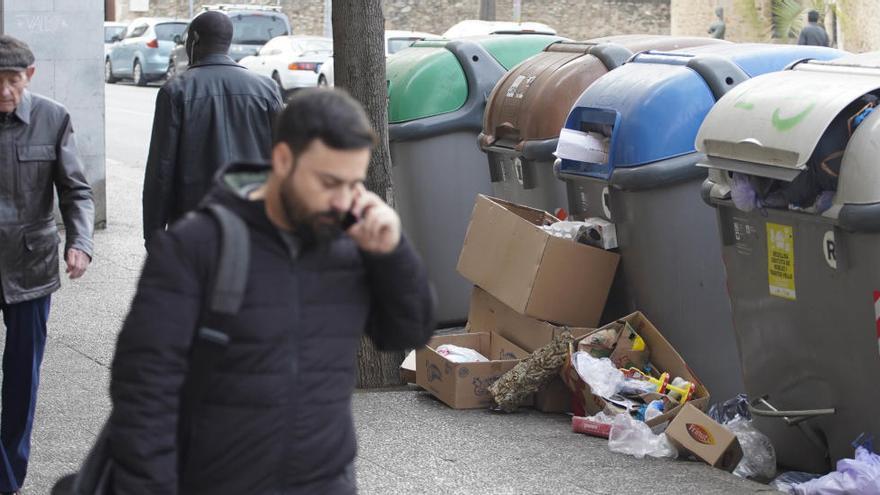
(315, 230)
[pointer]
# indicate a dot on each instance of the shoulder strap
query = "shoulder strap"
(225, 298)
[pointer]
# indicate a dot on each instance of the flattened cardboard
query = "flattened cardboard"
(534, 273)
(663, 356)
(488, 314)
(465, 385)
(693, 432)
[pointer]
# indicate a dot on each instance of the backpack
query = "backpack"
(209, 344)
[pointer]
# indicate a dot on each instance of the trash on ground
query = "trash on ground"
(633, 437)
(512, 388)
(458, 354)
(695, 433)
(759, 456)
(853, 476)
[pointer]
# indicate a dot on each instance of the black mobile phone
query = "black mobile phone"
(348, 220)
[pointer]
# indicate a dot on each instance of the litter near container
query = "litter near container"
(646, 114)
(803, 285)
(436, 96)
(527, 109)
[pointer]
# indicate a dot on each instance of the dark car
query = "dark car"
(253, 26)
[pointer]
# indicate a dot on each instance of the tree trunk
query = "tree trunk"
(487, 10)
(359, 58)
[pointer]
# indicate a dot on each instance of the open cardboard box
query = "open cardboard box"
(534, 273)
(465, 385)
(663, 356)
(488, 314)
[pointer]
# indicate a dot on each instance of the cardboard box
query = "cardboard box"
(488, 314)
(693, 432)
(465, 385)
(408, 368)
(529, 270)
(663, 356)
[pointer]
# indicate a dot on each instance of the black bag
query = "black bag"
(227, 293)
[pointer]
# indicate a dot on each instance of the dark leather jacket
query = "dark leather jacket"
(214, 113)
(37, 157)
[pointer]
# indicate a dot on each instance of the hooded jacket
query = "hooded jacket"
(276, 418)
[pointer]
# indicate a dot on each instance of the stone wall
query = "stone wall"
(745, 20)
(859, 30)
(577, 19)
(68, 42)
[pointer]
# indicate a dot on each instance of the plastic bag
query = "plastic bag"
(603, 378)
(630, 436)
(458, 354)
(786, 482)
(722, 412)
(759, 457)
(853, 476)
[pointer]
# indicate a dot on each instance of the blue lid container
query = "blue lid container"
(651, 108)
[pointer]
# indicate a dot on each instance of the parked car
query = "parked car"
(111, 31)
(292, 62)
(474, 27)
(394, 42)
(252, 27)
(141, 52)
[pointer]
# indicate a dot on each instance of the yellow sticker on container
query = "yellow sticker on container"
(780, 260)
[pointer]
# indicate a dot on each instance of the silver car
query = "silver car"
(111, 31)
(141, 52)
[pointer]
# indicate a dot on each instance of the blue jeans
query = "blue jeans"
(25, 342)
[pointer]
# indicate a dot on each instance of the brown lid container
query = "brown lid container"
(532, 101)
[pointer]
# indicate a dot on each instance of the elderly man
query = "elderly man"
(37, 157)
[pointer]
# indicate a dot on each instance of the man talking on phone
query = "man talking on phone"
(327, 263)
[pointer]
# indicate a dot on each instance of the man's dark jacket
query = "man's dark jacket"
(276, 419)
(214, 113)
(813, 34)
(38, 158)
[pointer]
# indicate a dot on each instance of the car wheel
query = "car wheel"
(322, 81)
(108, 72)
(137, 74)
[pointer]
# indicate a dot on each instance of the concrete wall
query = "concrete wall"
(67, 39)
(859, 29)
(578, 19)
(745, 20)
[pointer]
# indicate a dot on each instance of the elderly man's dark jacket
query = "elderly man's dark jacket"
(276, 418)
(38, 158)
(214, 113)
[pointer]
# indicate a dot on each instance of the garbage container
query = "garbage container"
(436, 96)
(803, 280)
(627, 155)
(528, 106)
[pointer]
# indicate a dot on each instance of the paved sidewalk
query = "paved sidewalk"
(409, 442)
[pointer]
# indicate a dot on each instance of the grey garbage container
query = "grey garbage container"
(803, 280)
(627, 155)
(437, 91)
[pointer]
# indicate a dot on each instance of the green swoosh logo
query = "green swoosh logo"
(786, 124)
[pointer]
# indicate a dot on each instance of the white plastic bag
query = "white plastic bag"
(458, 354)
(633, 437)
(853, 476)
(759, 457)
(599, 373)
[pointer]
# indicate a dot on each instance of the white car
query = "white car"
(394, 42)
(476, 28)
(292, 62)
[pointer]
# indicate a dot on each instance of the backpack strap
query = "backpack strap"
(224, 300)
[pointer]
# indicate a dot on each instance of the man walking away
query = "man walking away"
(327, 263)
(813, 34)
(38, 157)
(214, 113)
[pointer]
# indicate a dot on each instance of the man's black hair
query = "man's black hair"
(813, 16)
(211, 31)
(14, 54)
(330, 115)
